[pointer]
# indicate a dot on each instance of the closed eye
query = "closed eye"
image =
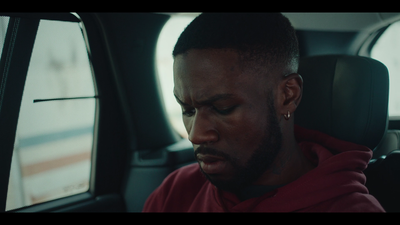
(226, 111)
(189, 112)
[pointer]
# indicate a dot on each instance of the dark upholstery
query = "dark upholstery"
(390, 142)
(345, 97)
(383, 180)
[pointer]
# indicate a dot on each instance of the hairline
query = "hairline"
(259, 65)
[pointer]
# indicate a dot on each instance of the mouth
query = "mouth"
(211, 164)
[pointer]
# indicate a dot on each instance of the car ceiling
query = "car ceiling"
(341, 21)
(355, 21)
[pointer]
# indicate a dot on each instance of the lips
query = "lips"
(211, 164)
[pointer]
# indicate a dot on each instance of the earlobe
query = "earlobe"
(287, 116)
(292, 86)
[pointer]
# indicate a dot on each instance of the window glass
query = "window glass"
(52, 151)
(166, 43)
(387, 50)
(3, 30)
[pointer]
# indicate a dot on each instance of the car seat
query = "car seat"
(347, 97)
(389, 143)
(383, 180)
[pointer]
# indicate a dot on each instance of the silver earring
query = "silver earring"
(287, 116)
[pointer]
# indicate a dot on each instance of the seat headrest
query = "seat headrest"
(345, 97)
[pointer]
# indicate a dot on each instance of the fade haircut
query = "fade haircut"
(265, 42)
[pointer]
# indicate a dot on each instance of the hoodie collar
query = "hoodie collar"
(338, 172)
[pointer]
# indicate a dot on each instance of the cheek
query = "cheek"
(186, 123)
(244, 130)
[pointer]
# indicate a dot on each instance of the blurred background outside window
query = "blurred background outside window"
(53, 145)
(166, 42)
(386, 50)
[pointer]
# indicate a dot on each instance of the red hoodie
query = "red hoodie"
(336, 184)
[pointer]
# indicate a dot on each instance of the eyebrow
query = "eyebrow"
(210, 100)
(180, 102)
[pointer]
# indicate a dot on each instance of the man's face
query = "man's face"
(229, 116)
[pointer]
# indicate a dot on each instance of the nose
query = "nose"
(202, 130)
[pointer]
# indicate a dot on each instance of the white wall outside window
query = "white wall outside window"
(166, 42)
(386, 50)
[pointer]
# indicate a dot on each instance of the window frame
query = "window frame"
(365, 50)
(370, 41)
(18, 46)
(22, 49)
(121, 129)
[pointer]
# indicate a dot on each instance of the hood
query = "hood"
(338, 174)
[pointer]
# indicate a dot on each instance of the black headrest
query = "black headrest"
(345, 97)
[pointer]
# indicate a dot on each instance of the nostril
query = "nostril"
(201, 128)
(207, 137)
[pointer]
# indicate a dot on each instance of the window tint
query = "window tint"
(387, 50)
(166, 42)
(3, 30)
(54, 137)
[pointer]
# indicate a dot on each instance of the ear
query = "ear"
(289, 94)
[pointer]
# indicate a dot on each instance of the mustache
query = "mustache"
(211, 151)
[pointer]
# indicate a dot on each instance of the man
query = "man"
(235, 79)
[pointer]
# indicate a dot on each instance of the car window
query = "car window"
(386, 50)
(3, 30)
(165, 45)
(54, 137)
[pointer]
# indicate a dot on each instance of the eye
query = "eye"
(189, 112)
(225, 111)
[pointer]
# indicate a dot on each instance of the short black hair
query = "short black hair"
(268, 39)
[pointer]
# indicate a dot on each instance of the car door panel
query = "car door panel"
(150, 167)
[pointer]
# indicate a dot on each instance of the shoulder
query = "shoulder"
(183, 183)
(190, 173)
(362, 203)
(354, 202)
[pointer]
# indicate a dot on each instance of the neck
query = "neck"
(289, 165)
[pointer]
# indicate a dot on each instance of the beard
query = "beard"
(260, 161)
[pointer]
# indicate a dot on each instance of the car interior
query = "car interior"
(132, 144)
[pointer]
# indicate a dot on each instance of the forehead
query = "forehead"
(210, 63)
(210, 71)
